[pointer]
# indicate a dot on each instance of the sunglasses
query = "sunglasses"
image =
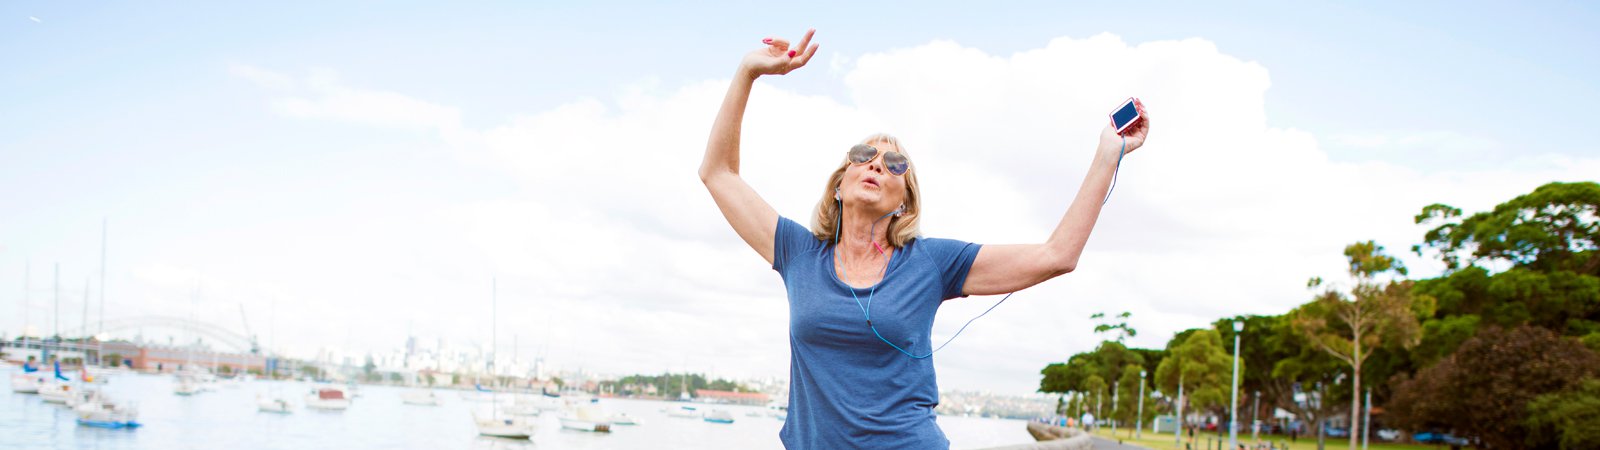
(896, 162)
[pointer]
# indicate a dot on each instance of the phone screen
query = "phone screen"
(1124, 115)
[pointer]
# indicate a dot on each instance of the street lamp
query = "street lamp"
(1233, 407)
(1138, 427)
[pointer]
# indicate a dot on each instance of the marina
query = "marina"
(380, 418)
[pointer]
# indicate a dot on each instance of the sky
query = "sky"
(340, 175)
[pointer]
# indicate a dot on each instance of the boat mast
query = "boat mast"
(494, 309)
(104, 222)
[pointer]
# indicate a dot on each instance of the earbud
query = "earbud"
(901, 211)
(836, 195)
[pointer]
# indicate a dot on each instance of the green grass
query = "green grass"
(1163, 441)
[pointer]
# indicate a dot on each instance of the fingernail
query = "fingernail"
(791, 53)
(766, 41)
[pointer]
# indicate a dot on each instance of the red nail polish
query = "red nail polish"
(766, 41)
(791, 53)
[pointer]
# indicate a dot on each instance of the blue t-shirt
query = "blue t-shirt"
(847, 389)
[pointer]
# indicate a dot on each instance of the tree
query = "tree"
(1379, 313)
(1128, 395)
(1571, 417)
(1197, 362)
(1484, 389)
(1556, 227)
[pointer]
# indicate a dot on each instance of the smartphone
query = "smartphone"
(1125, 116)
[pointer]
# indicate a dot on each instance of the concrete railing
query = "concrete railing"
(1051, 437)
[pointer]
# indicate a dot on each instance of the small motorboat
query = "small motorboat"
(423, 397)
(623, 419)
(101, 412)
(56, 392)
(328, 398)
(274, 404)
(509, 427)
(684, 412)
(584, 418)
(719, 416)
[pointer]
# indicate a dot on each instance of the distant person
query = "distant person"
(849, 388)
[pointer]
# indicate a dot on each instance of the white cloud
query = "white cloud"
(615, 254)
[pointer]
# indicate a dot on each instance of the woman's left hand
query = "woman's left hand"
(1133, 137)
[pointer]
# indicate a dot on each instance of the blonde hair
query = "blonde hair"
(902, 228)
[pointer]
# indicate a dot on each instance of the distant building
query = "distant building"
(167, 359)
(737, 398)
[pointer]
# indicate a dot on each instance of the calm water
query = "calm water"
(227, 419)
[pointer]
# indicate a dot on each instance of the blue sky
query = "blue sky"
(137, 112)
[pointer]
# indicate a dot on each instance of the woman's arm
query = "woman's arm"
(749, 214)
(1002, 269)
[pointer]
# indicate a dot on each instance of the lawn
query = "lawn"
(1163, 441)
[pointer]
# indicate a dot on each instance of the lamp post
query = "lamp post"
(1138, 427)
(1233, 406)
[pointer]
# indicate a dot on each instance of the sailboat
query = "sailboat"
(27, 382)
(274, 401)
(511, 427)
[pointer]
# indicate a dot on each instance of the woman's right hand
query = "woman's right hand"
(777, 58)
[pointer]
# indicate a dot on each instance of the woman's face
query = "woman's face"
(871, 185)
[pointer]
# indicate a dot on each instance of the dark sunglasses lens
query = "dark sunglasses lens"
(862, 153)
(896, 163)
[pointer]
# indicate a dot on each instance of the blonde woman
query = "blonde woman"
(863, 286)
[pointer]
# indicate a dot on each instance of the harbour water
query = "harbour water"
(227, 418)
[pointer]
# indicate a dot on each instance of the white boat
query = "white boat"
(56, 392)
(623, 419)
(26, 383)
(684, 412)
(102, 412)
(510, 427)
(495, 425)
(274, 405)
(423, 397)
(328, 398)
(778, 411)
(521, 409)
(186, 385)
(584, 418)
(719, 416)
(82, 396)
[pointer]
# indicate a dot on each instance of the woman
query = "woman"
(863, 287)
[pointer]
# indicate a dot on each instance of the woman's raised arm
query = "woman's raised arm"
(1001, 269)
(749, 214)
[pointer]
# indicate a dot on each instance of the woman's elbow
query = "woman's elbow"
(1062, 263)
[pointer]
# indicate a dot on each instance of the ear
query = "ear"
(836, 196)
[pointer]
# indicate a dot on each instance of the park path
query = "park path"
(1101, 443)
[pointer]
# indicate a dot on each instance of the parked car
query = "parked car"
(1388, 435)
(1439, 438)
(1337, 432)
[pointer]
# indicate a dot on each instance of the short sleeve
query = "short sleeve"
(953, 259)
(790, 239)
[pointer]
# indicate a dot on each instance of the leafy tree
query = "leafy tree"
(1128, 395)
(1571, 417)
(1305, 380)
(1196, 362)
(1379, 313)
(1096, 387)
(1554, 228)
(1483, 390)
